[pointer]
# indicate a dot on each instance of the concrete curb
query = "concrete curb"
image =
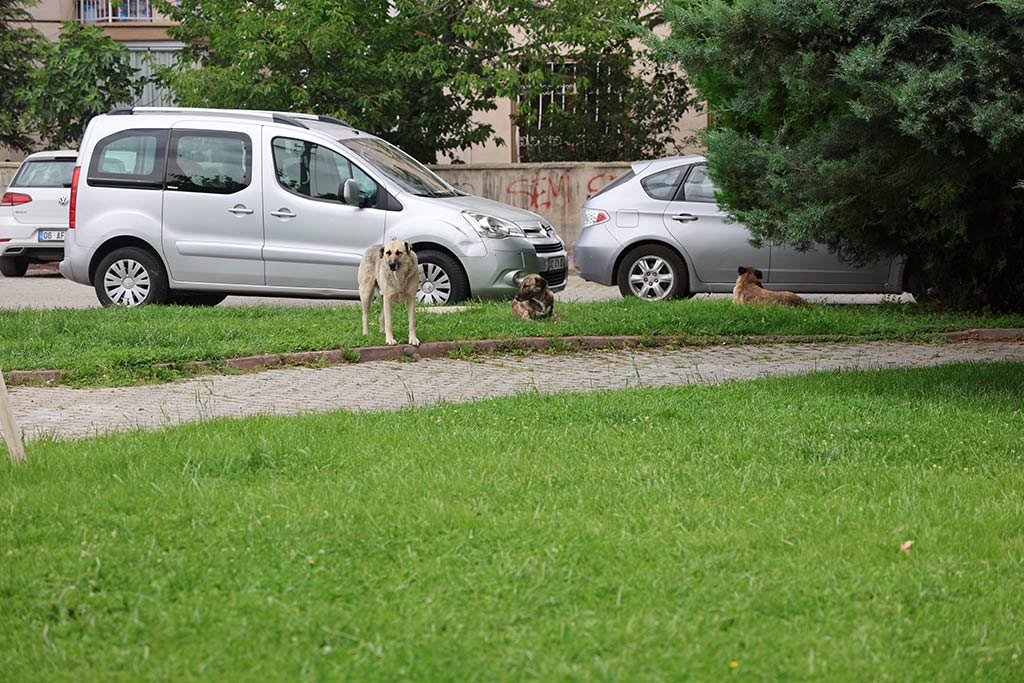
(367, 354)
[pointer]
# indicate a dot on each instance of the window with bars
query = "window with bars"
(111, 11)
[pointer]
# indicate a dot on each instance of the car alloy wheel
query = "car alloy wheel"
(652, 272)
(651, 278)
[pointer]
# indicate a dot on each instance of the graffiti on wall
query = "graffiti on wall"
(545, 192)
(541, 192)
(598, 181)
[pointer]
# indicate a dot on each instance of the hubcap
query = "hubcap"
(651, 278)
(126, 282)
(435, 285)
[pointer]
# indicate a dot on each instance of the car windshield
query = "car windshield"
(411, 175)
(45, 173)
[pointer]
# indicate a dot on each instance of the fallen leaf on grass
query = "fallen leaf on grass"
(906, 546)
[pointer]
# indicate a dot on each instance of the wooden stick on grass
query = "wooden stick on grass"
(8, 425)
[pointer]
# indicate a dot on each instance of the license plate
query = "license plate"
(556, 263)
(52, 235)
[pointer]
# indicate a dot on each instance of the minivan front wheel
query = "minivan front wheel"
(131, 277)
(442, 280)
(652, 272)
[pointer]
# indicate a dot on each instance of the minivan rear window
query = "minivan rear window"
(131, 158)
(45, 173)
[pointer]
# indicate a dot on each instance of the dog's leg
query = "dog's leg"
(366, 301)
(389, 336)
(411, 305)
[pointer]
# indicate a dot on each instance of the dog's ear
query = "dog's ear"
(542, 282)
(742, 270)
(758, 274)
(408, 248)
(382, 251)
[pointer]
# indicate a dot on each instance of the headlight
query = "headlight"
(492, 226)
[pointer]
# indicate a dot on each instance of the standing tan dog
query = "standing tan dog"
(393, 268)
(534, 301)
(748, 290)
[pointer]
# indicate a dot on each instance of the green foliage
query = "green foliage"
(611, 106)
(411, 71)
(19, 47)
(873, 126)
(83, 74)
(747, 531)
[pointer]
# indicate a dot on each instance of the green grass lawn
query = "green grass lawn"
(698, 533)
(118, 346)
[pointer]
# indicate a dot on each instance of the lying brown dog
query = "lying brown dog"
(534, 301)
(748, 290)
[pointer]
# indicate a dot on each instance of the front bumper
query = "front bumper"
(498, 274)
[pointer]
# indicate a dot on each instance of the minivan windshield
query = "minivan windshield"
(411, 175)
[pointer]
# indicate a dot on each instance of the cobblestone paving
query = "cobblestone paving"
(67, 413)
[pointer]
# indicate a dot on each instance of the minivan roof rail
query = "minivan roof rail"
(286, 117)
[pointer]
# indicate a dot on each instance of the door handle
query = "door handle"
(240, 209)
(685, 217)
(283, 213)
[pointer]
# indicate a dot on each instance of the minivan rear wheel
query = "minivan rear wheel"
(652, 272)
(13, 266)
(442, 280)
(131, 277)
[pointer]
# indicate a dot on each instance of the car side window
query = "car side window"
(698, 186)
(131, 158)
(214, 162)
(662, 185)
(316, 172)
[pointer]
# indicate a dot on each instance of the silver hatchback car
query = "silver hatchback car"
(657, 233)
(190, 205)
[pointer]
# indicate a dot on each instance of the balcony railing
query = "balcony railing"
(112, 12)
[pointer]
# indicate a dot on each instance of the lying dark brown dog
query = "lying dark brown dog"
(534, 301)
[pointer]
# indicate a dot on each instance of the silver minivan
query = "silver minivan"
(657, 233)
(189, 205)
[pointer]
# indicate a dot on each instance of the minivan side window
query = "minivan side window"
(310, 170)
(698, 186)
(209, 161)
(663, 185)
(131, 158)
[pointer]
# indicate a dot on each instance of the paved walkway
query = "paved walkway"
(68, 413)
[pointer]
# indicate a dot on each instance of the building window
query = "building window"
(110, 11)
(145, 59)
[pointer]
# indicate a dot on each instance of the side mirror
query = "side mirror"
(351, 194)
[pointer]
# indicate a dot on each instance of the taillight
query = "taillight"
(74, 198)
(15, 199)
(593, 217)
